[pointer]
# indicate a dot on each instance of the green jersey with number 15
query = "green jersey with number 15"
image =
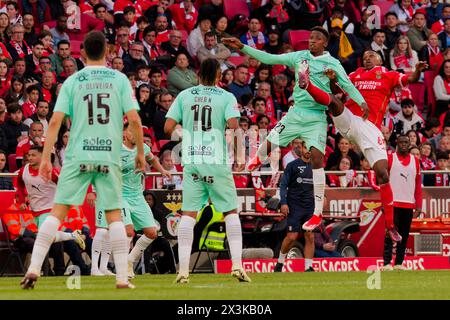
(96, 98)
(203, 112)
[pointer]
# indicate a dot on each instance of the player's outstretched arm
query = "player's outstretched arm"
(414, 77)
(169, 127)
(45, 169)
(136, 128)
(267, 58)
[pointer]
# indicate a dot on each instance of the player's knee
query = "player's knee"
(151, 233)
(291, 236)
(309, 237)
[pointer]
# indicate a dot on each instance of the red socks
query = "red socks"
(387, 200)
(319, 95)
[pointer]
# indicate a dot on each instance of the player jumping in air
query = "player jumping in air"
(205, 111)
(375, 84)
(136, 211)
(307, 119)
(95, 98)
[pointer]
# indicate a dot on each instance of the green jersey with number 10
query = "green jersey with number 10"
(96, 98)
(203, 112)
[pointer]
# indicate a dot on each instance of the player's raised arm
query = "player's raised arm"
(286, 59)
(347, 85)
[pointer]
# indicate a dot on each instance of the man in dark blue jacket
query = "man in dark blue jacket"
(297, 202)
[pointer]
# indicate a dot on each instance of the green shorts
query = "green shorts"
(72, 186)
(203, 181)
(100, 218)
(141, 214)
(308, 125)
(40, 219)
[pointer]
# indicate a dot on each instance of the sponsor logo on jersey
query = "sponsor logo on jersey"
(97, 144)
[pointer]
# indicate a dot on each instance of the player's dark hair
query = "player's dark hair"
(323, 31)
(39, 149)
(95, 45)
(208, 72)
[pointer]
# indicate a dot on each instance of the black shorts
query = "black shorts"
(298, 215)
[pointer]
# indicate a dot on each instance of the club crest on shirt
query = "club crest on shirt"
(378, 74)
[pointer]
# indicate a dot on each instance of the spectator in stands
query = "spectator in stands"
(438, 26)
(403, 58)
(391, 29)
(221, 27)
(123, 42)
(35, 137)
(262, 74)
(59, 31)
(29, 107)
(143, 72)
(404, 11)
(347, 180)
(444, 144)
(41, 116)
(47, 39)
(444, 36)
(152, 51)
(5, 182)
(431, 53)
(439, 179)
(324, 245)
(254, 37)
(181, 76)
(142, 23)
(16, 92)
(134, 58)
(167, 164)
(3, 115)
(348, 54)
(12, 9)
(427, 156)
(117, 64)
(414, 138)
(160, 8)
(387, 134)
(17, 47)
(407, 119)
(445, 132)
(432, 127)
(240, 86)
(4, 27)
(63, 52)
(214, 9)
(173, 47)
(281, 94)
(379, 46)
(263, 122)
(48, 88)
(274, 40)
(264, 91)
(227, 78)
(184, 15)
(19, 67)
(338, 13)
(292, 155)
(344, 148)
(434, 12)
(69, 68)
(162, 29)
(129, 19)
(165, 101)
(418, 33)
(60, 147)
(5, 78)
(86, 22)
(32, 61)
(415, 152)
(100, 11)
(441, 88)
(156, 79)
(38, 8)
(215, 50)
(146, 110)
(196, 38)
(30, 35)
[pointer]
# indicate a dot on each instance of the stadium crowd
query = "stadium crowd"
(159, 45)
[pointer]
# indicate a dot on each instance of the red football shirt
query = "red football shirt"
(376, 86)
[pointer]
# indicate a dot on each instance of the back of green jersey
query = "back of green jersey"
(96, 98)
(132, 183)
(203, 112)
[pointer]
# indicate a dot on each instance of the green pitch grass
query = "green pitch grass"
(280, 286)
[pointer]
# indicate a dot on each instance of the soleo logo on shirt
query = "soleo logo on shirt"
(97, 144)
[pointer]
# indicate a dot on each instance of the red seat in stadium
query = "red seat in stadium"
(299, 39)
(234, 7)
(12, 165)
(75, 48)
(162, 143)
(236, 60)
